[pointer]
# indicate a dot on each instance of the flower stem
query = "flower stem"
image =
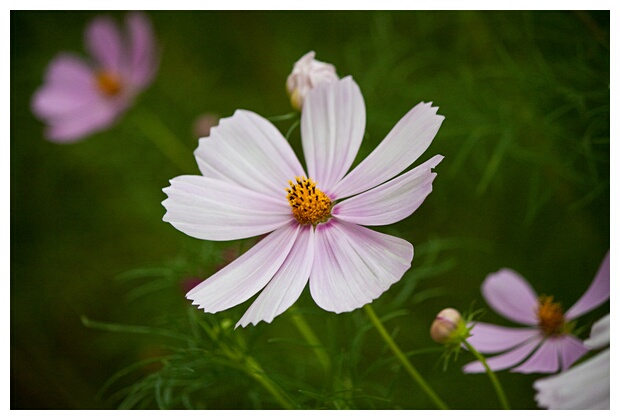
(498, 387)
(309, 335)
(250, 366)
(403, 359)
(253, 369)
(165, 140)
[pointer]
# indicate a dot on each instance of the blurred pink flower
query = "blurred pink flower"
(585, 386)
(307, 74)
(547, 338)
(252, 183)
(80, 97)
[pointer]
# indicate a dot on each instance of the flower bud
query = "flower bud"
(203, 124)
(307, 74)
(446, 323)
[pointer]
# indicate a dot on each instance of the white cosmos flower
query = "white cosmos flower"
(252, 184)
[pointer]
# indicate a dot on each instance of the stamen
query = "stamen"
(108, 83)
(550, 316)
(309, 204)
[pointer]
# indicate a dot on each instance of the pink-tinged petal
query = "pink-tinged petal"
(489, 338)
(104, 43)
(392, 201)
(354, 265)
(69, 86)
(333, 120)
(248, 150)
(505, 360)
(599, 335)
(53, 101)
(215, 210)
(287, 284)
(142, 57)
(244, 277)
(67, 69)
(597, 293)
(546, 359)
(409, 138)
(511, 295)
(584, 387)
(571, 350)
(77, 125)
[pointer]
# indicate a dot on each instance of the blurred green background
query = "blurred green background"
(524, 184)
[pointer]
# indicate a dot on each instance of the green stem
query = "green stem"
(309, 335)
(254, 369)
(250, 366)
(498, 387)
(165, 140)
(284, 117)
(403, 359)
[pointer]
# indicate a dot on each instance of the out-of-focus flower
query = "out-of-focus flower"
(204, 123)
(252, 183)
(585, 386)
(548, 336)
(446, 324)
(307, 74)
(80, 97)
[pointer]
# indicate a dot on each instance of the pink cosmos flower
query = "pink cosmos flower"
(252, 183)
(584, 386)
(80, 97)
(547, 338)
(307, 74)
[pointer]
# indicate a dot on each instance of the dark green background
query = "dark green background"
(524, 184)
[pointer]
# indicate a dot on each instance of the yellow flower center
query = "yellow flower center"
(309, 204)
(550, 316)
(108, 83)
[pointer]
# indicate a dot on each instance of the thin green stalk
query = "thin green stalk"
(250, 366)
(165, 140)
(496, 384)
(308, 334)
(403, 359)
(284, 117)
(253, 368)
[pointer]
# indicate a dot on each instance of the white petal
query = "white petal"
(244, 277)
(287, 284)
(354, 265)
(248, 150)
(392, 201)
(409, 138)
(333, 120)
(599, 334)
(220, 211)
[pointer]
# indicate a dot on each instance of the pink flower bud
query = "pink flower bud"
(445, 324)
(307, 74)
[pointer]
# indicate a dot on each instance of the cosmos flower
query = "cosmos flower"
(307, 74)
(547, 338)
(585, 386)
(80, 97)
(252, 183)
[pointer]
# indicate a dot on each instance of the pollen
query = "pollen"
(309, 204)
(550, 316)
(108, 83)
